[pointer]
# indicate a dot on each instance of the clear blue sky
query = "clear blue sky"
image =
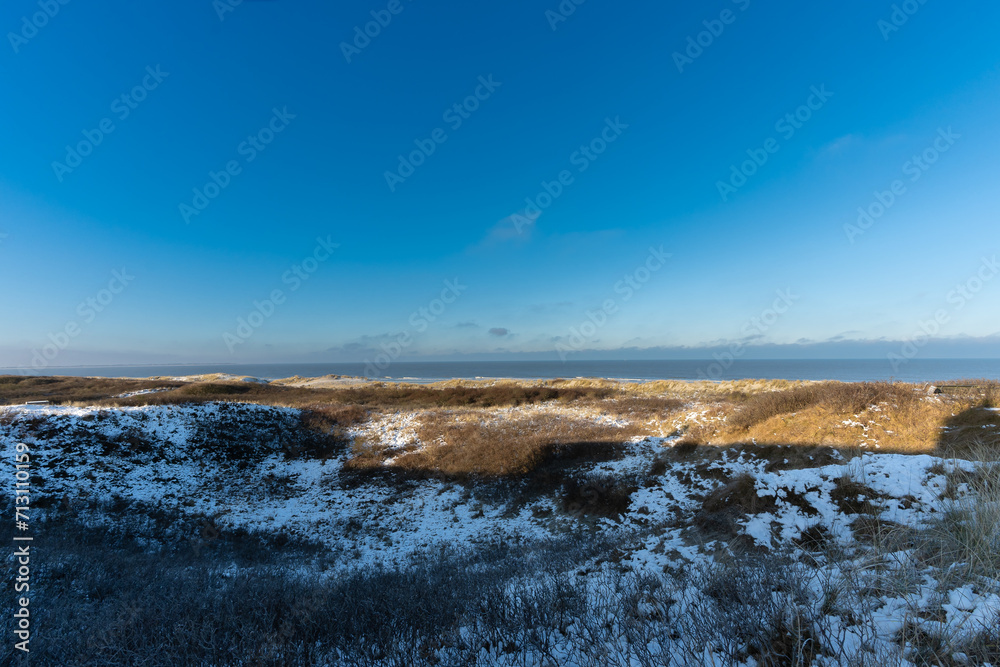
(525, 284)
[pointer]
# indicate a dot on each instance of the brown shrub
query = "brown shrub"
(800, 414)
(105, 391)
(985, 390)
(640, 399)
(789, 457)
(723, 507)
(500, 395)
(15, 389)
(814, 538)
(859, 396)
(460, 445)
(739, 494)
(971, 433)
(761, 407)
(366, 457)
(991, 394)
(326, 418)
(894, 417)
(875, 530)
(854, 397)
(853, 497)
(602, 495)
(631, 406)
(686, 446)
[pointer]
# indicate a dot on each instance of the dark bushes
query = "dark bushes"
(235, 434)
(229, 600)
(599, 495)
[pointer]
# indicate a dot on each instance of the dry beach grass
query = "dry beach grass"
(362, 466)
(459, 419)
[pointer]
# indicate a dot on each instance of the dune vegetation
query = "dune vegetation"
(218, 521)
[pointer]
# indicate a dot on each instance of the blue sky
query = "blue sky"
(597, 99)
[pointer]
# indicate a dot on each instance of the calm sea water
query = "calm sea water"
(850, 370)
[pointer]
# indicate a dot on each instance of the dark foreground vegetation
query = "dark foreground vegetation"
(118, 581)
(125, 584)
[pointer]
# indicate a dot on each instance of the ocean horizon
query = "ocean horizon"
(846, 370)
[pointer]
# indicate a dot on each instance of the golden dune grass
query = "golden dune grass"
(462, 416)
(487, 443)
(889, 417)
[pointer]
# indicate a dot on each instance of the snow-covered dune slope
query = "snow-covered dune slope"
(243, 465)
(163, 455)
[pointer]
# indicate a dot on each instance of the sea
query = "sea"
(847, 370)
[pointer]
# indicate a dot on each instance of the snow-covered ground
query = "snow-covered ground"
(157, 455)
